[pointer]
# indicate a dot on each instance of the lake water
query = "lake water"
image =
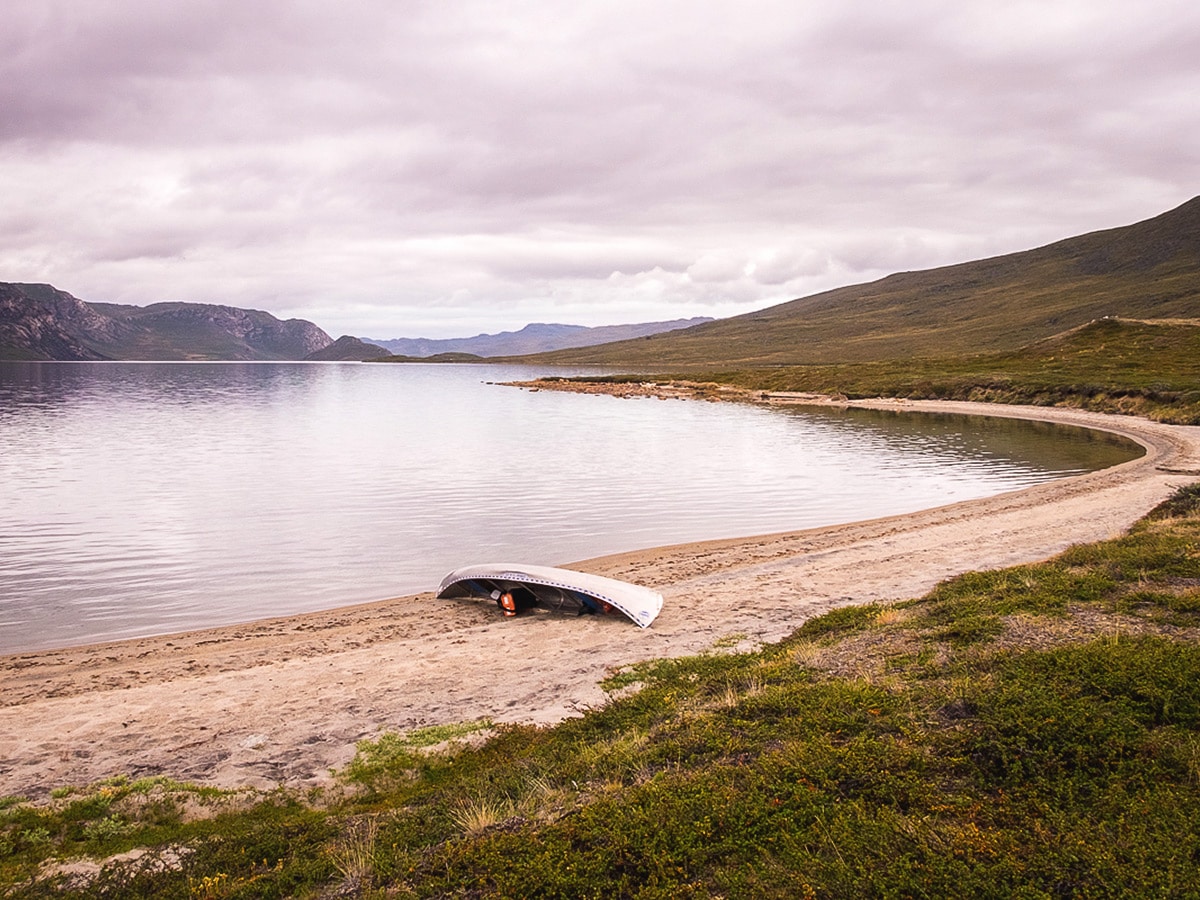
(149, 498)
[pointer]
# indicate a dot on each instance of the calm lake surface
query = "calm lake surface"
(146, 498)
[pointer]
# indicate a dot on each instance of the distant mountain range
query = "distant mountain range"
(1148, 270)
(535, 338)
(41, 322)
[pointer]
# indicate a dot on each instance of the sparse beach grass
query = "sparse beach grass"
(1027, 732)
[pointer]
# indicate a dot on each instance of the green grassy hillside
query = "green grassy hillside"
(1149, 368)
(1150, 270)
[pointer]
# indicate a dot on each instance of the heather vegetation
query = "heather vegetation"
(1028, 732)
(1110, 365)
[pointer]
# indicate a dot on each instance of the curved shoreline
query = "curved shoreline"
(285, 700)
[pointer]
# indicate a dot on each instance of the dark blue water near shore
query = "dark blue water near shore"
(149, 498)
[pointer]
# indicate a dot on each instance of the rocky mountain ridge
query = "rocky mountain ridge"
(40, 322)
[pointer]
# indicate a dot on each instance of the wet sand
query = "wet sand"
(283, 701)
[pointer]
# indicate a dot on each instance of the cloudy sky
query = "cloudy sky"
(407, 168)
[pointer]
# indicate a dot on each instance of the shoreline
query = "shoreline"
(284, 700)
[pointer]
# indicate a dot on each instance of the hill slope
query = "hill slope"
(38, 322)
(208, 331)
(1146, 368)
(346, 349)
(1150, 270)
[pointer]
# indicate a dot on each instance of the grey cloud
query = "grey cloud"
(431, 155)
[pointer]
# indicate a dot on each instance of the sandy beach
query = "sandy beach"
(284, 701)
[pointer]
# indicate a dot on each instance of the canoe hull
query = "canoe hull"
(557, 589)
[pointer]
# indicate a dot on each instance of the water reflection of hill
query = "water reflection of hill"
(1043, 446)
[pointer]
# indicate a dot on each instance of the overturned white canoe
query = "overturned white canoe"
(562, 589)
